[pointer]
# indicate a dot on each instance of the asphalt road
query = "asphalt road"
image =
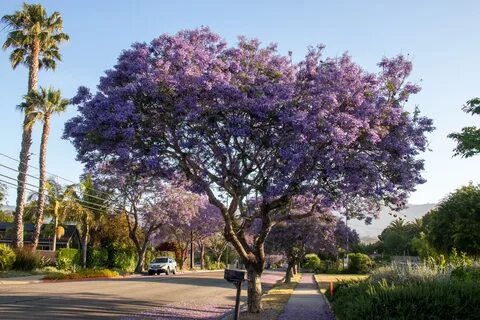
(202, 295)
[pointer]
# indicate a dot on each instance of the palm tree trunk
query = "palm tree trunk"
(84, 244)
(55, 226)
(25, 148)
(43, 180)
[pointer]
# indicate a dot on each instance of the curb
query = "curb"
(21, 282)
(324, 298)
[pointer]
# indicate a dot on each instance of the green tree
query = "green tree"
(87, 206)
(397, 238)
(42, 105)
(468, 141)
(34, 37)
(56, 207)
(455, 222)
(3, 193)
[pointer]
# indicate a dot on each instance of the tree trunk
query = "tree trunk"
(84, 252)
(219, 258)
(55, 226)
(25, 148)
(84, 245)
(192, 255)
(288, 275)
(141, 251)
(254, 291)
(202, 255)
(141, 259)
(42, 182)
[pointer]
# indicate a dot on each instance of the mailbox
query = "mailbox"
(234, 276)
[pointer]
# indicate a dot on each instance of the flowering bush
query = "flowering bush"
(83, 274)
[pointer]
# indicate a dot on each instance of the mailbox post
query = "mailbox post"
(236, 277)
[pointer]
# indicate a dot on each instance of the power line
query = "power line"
(37, 178)
(18, 171)
(50, 173)
(96, 206)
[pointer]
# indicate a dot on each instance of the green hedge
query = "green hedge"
(312, 262)
(67, 258)
(121, 257)
(97, 258)
(7, 257)
(359, 263)
(452, 299)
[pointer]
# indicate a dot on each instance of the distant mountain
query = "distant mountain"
(369, 233)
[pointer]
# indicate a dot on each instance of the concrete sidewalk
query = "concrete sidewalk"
(306, 302)
(21, 280)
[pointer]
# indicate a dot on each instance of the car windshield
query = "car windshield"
(161, 260)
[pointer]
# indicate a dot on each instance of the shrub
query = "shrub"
(68, 258)
(26, 259)
(466, 274)
(359, 263)
(97, 258)
(311, 262)
(7, 257)
(123, 259)
(211, 264)
(400, 274)
(83, 274)
(424, 300)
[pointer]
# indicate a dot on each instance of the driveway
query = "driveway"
(201, 295)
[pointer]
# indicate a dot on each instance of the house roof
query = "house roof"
(30, 227)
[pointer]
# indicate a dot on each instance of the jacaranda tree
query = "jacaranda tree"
(295, 238)
(246, 122)
(148, 203)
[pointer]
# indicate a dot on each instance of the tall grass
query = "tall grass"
(402, 273)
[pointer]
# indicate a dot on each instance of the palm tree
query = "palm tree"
(34, 37)
(398, 225)
(87, 207)
(57, 206)
(45, 103)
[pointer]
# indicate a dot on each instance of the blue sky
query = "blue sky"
(440, 37)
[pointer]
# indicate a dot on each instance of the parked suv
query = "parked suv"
(162, 265)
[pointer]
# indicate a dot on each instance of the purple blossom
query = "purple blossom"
(245, 121)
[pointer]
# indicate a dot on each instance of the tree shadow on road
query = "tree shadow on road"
(83, 306)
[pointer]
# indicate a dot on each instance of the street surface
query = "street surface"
(200, 295)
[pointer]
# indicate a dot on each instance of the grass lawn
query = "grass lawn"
(273, 301)
(324, 280)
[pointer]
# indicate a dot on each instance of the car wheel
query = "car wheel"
(151, 273)
(174, 271)
(167, 272)
(158, 272)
